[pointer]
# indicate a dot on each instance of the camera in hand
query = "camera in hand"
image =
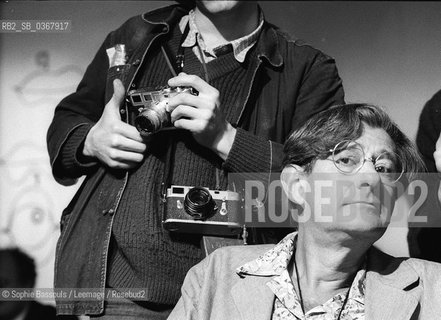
(147, 107)
(203, 211)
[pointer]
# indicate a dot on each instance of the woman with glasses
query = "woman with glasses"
(329, 268)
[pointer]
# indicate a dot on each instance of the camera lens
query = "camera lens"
(151, 119)
(145, 125)
(199, 203)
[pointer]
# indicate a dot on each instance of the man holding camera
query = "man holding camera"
(253, 85)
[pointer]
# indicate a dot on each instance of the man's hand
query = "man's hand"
(437, 154)
(112, 141)
(437, 158)
(201, 114)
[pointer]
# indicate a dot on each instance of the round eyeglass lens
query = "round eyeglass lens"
(348, 156)
(389, 166)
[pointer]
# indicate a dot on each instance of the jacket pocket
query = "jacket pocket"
(67, 212)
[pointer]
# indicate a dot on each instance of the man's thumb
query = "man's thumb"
(438, 144)
(118, 92)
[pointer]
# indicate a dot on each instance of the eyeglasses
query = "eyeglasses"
(349, 157)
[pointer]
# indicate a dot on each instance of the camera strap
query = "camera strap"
(178, 64)
(175, 68)
(167, 174)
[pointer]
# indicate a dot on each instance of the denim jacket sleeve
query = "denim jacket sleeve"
(318, 88)
(78, 112)
(73, 118)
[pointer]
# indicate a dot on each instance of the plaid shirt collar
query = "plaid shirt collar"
(240, 46)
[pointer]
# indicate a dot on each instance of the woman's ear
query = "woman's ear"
(293, 180)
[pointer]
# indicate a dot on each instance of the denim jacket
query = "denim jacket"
(286, 83)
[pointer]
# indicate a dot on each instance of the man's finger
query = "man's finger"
(112, 107)
(438, 143)
(126, 144)
(122, 165)
(129, 132)
(186, 80)
(125, 156)
(118, 92)
(188, 124)
(184, 111)
(183, 99)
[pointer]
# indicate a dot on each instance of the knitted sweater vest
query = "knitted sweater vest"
(143, 254)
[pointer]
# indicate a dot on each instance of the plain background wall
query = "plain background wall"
(387, 53)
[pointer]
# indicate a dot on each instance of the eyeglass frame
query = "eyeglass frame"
(333, 150)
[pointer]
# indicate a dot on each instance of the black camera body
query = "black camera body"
(202, 211)
(147, 107)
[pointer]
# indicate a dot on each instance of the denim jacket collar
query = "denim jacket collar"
(169, 16)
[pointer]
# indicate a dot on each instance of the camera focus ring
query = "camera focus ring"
(199, 203)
